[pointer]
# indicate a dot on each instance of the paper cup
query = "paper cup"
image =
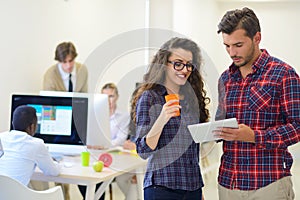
(172, 97)
(85, 158)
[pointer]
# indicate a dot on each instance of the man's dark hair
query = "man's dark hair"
(23, 117)
(63, 50)
(240, 19)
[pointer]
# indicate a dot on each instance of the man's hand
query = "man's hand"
(243, 133)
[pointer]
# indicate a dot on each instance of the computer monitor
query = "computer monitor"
(61, 120)
(98, 123)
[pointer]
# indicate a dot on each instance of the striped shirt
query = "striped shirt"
(268, 101)
(175, 161)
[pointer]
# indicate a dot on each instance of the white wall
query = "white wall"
(197, 20)
(31, 29)
(280, 27)
(109, 38)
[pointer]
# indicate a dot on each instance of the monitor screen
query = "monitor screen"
(99, 121)
(61, 120)
(98, 125)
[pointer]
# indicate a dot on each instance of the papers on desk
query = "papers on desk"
(115, 149)
(121, 150)
(204, 132)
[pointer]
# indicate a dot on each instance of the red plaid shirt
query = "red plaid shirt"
(268, 101)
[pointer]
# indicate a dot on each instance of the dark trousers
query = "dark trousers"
(156, 192)
(82, 189)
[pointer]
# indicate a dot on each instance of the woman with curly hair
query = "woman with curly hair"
(162, 137)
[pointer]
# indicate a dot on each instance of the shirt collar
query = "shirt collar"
(161, 89)
(16, 132)
(117, 112)
(64, 74)
(261, 61)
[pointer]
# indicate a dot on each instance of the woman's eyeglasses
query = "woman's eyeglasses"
(178, 66)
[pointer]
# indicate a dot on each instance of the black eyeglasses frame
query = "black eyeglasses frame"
(187, 65)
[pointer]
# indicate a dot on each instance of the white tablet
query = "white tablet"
(204, 132)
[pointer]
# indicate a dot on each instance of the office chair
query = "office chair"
(12, 189)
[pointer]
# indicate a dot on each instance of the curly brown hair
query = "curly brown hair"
(156, 73)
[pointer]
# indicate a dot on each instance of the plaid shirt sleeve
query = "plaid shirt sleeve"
(147, 113)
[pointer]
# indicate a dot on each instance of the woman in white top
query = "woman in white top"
(119, 127)
(119, 120)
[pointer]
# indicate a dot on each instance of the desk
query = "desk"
(76, 174)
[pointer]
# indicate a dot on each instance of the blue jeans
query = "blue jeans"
(156, 192)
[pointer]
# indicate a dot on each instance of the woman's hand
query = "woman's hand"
(166, 113)
(169, 110)
(129, 145)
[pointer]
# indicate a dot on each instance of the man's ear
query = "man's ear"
(31, 129)
(257, 38)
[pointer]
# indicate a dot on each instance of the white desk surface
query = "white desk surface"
(77, 174)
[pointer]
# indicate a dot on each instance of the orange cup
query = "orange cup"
(172, 97)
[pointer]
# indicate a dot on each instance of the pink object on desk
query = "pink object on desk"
(106, 158)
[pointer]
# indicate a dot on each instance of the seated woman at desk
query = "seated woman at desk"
(119, 124)
(119, 120)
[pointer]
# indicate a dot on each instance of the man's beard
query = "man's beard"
(247, 59)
